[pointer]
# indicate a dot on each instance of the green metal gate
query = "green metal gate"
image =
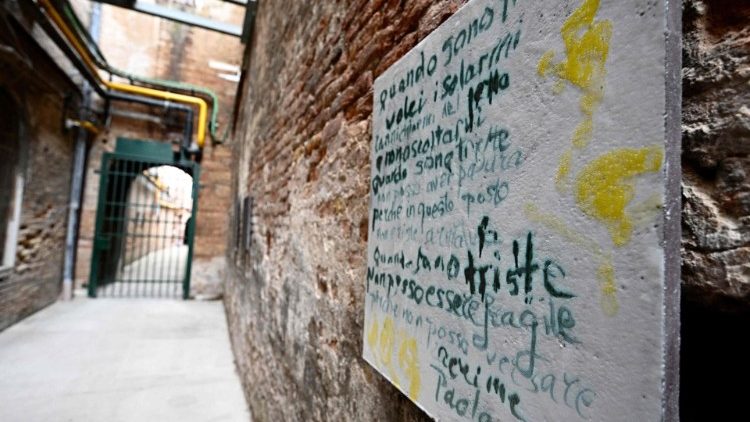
(143, 243)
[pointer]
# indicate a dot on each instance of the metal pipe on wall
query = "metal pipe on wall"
(76, 193)
(92, 81)
(132, 89)
(134, 115)
(76, 183)
(101, 62)
(186, 142)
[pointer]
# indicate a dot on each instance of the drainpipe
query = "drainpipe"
(76, 188)
(76, 184)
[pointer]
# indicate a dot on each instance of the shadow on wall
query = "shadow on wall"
(714, 363)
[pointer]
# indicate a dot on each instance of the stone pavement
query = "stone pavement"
(120, 360)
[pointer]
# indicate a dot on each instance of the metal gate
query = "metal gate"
(145, 222)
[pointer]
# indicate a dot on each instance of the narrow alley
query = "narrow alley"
(374, 210)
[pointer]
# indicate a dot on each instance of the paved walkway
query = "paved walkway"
(157, 274)
(162, 264)
(120, 360)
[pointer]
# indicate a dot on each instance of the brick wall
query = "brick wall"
(43, 86)
(37, 277)
(295, 306)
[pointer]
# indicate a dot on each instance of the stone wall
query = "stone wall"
(716, 206)
(716, 144)
(295, 298)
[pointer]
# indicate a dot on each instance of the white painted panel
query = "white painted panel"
(515, 266)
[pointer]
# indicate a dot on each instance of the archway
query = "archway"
(155, 248)
(145, 223)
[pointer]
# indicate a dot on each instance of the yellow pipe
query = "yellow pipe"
(86, 125)
(133, 89)
(166, 95)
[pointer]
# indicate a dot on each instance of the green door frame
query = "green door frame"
(150, 154)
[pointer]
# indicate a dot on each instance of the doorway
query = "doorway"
(145, 223)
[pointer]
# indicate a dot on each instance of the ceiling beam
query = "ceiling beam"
(178, 16)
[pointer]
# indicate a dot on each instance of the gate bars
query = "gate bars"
(143, 243)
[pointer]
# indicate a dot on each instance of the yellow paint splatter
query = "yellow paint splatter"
(606, 276)
(605, 187)
(545, 63)
(644, 212)
(382, 343)
(605, 272)
(387, 339)
(563, 170)
(583, 132)
(533, 213)
(339, 205)
(408, 361)
(372, 335)
(586, 48)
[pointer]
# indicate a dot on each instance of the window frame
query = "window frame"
(13, 223)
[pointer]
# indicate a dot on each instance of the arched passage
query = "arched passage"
(145, 220)
(155, 250)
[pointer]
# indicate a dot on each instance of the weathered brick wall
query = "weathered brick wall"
(153, 47)
(296, 307)
(44, 88)
(37, 277)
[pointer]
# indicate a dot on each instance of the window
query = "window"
(11, 180)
